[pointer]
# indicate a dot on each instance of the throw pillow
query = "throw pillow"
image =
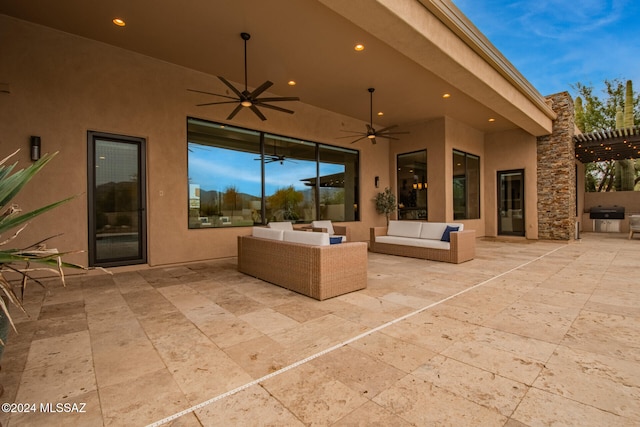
(446, 236)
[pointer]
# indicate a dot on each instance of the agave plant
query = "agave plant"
(18, 261)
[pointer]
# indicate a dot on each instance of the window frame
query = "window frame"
(465, 179)
(262, 148)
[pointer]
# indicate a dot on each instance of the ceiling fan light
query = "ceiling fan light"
(371, 136)
(246, 103)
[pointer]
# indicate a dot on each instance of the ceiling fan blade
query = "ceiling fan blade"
(257, 112)
(362, 137)
(216, 103)
(273, 107)
(388, 137)
(373, 140)
(257, 91)
(387, 128)
(351, 136)
(234, 112)
(278, 99)
(211, 93)
(352, 131)
(230, 86)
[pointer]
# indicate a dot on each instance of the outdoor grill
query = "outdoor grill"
(606, 219)
(603, 212)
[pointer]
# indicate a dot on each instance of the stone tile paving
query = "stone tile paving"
(527, 334)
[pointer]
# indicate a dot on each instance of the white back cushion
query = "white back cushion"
(268, 233)
(324, 224)
(285, 225)
(405, 228)
(306, 237)
(434, 230)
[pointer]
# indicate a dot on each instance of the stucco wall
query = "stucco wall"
(464, 138)
(63, 86)
(425, 136)
(507, 151)
(440, 137)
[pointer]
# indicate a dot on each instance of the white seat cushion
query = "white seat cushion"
(405, 229)
(285, 225)
(324, 224)
(268, 233)
(410, 241)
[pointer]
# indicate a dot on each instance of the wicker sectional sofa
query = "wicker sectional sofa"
(436, 241)
(303, 261)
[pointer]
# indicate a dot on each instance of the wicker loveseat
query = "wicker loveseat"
(447, 242)
(304, 262)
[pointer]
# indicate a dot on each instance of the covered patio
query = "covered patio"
(528, 333)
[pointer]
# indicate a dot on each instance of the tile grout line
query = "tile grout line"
(342, 344)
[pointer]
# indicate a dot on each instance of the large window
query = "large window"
(240, 177)
(466, 186)
(412, 185)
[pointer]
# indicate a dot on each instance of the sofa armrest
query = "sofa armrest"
(342, 230)
(463, 245)
(377, 231)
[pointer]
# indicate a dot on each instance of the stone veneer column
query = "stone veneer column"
(557, 174)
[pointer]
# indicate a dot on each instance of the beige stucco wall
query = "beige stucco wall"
(424, 136)
(507, 151)
(440, 137)
(63, 86)
(464, 138)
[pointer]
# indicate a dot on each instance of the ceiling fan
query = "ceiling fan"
(371, 133)
(275, 157)
(246, 98)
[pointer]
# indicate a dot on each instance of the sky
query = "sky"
(235, 168)
(558, 43)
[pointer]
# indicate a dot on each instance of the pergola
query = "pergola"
(603, 145)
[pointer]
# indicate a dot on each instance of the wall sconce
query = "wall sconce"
(35, 148)
(377, 181)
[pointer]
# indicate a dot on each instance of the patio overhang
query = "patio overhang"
(415, 51)
(603, 145)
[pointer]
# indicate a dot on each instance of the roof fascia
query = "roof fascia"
(457, 22)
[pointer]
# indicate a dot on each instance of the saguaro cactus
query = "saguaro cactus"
(625, 169)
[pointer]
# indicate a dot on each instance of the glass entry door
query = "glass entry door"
(511, 203)
(117, 200)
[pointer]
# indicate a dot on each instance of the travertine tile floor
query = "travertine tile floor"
(527, 334)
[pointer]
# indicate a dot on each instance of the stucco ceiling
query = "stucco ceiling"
(301, 40)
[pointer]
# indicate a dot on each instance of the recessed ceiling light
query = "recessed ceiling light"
(359, 47)
(291, 83)
(492, 119)
(446, 95)
(380, 113)
(119, 22)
